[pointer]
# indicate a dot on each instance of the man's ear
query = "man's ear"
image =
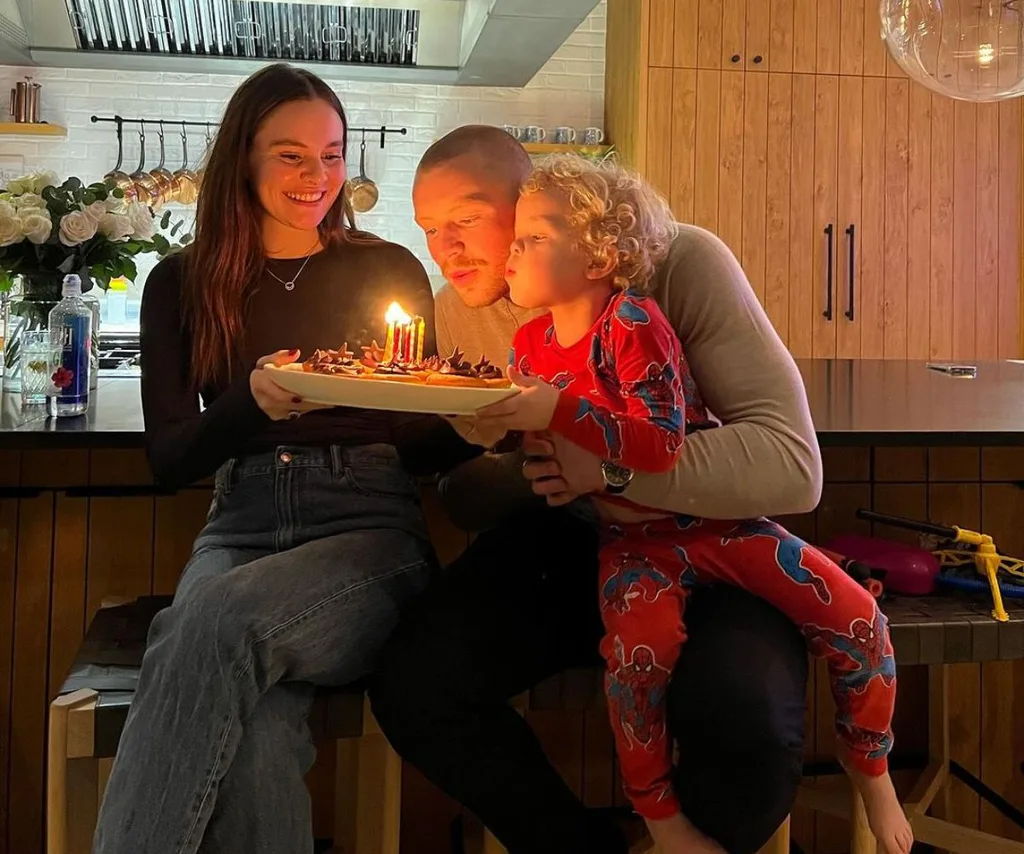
(602, 268)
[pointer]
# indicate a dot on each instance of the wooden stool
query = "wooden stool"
(85, 727)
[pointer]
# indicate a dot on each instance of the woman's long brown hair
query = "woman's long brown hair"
(227, 258)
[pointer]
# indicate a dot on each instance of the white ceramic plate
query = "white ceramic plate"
(396, 397)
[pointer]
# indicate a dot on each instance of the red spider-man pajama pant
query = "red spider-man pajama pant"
(646, 572)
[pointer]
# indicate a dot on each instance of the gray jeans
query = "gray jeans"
(296, 580)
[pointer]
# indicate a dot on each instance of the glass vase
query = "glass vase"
(27, 309)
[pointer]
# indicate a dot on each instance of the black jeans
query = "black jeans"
(521, 604)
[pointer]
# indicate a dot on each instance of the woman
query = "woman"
(314, 538)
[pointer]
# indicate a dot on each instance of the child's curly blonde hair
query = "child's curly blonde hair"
(614, 212)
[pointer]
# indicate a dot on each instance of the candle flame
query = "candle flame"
(395, 314)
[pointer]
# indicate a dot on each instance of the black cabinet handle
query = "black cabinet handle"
(852, 272)
(827, 313)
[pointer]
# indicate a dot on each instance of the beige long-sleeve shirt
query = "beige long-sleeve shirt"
(764, 459)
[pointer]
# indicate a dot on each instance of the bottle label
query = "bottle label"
(72, 376)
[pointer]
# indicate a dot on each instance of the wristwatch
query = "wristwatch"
(616, 477)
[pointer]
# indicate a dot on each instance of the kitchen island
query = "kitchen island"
(853, 403)
(81, 521)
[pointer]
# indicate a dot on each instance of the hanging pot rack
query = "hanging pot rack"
(121, 121)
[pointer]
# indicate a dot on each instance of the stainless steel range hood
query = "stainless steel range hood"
(453, 42)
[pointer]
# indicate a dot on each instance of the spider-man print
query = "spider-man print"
(549, 335)
(789, 553)
(688, 574)
(601, 364)
(562, 380)
(631, 312)
(635, 577)
(611, 432)
(659, 391)
(848, 632)
(637, 694)
(867, 647)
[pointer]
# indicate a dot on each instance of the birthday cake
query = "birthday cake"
(375, 364)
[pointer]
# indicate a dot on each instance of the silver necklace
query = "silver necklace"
(290, 284)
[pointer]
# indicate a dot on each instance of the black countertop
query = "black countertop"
(853, 402)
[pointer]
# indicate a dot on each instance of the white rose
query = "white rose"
(10, 226)
(36, 225)
(17, 186)
(141, 218)
(76, 228)
(115, 227)
(118, 206)
(41, 180)
(95, 211)
(29, 201)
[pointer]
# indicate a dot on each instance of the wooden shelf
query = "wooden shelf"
(541, 148)
(25, 129)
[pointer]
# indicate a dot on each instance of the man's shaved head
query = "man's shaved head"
(489, 146)
(464, 195)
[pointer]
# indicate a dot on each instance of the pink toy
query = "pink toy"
(909, 569)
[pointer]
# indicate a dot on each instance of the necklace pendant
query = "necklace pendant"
(289, 286)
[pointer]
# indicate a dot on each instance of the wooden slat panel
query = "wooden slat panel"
(734, 21)
(30, 656)
(67, 610)
(954, 464)
(730, 180)
(1009, 229)
(625, 92)
(777, 204)
(598, 759)
(846, 465)
(826, 156)
(827, 61)
(684, 141)
(39, 469)
(758, 35)
(875, 52)
(659, 144)
(10, 465)
(900, 499)
(685, 24)
(872, 233)
(179, 519)
(919, 223)
(662, 33)
(851, 33)
(120, 550)
(561, 734)
(780, 51)
(986, 230)
(709, 34)
(804, 276)
(805, 36)
(965, 118)
(851, 182)
(941, 288)
(900, 465)
(896, 148)
(755, 156)
(705, 155)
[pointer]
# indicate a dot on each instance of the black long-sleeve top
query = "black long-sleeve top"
(340, 297)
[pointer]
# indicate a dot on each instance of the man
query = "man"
(521, 603)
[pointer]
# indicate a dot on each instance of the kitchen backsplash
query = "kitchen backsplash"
(568, 90)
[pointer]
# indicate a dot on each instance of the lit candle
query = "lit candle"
(396, 320)
(420, 328)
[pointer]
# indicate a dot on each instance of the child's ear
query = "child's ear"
(602, 268)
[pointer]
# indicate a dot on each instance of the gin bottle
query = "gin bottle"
(71, 337)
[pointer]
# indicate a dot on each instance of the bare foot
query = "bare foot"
(677, 836)
(885, 815)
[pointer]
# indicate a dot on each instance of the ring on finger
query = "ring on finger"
(294, 414)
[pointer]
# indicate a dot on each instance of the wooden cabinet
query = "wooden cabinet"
(873, 218)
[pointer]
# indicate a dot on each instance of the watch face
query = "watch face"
(616, 475)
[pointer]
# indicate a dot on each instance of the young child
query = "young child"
(605, 370)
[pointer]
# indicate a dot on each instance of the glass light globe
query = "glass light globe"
(965, 49)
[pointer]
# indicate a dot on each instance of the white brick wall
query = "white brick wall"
(569, 90)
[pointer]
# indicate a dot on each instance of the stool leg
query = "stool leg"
(71, 784)
(862, 840)
(779, 843)
(379, 795)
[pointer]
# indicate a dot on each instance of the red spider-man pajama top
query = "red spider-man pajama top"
(627, 396)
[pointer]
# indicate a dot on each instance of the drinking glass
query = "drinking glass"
(37, 364)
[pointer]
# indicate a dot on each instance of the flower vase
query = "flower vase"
(27, 309)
